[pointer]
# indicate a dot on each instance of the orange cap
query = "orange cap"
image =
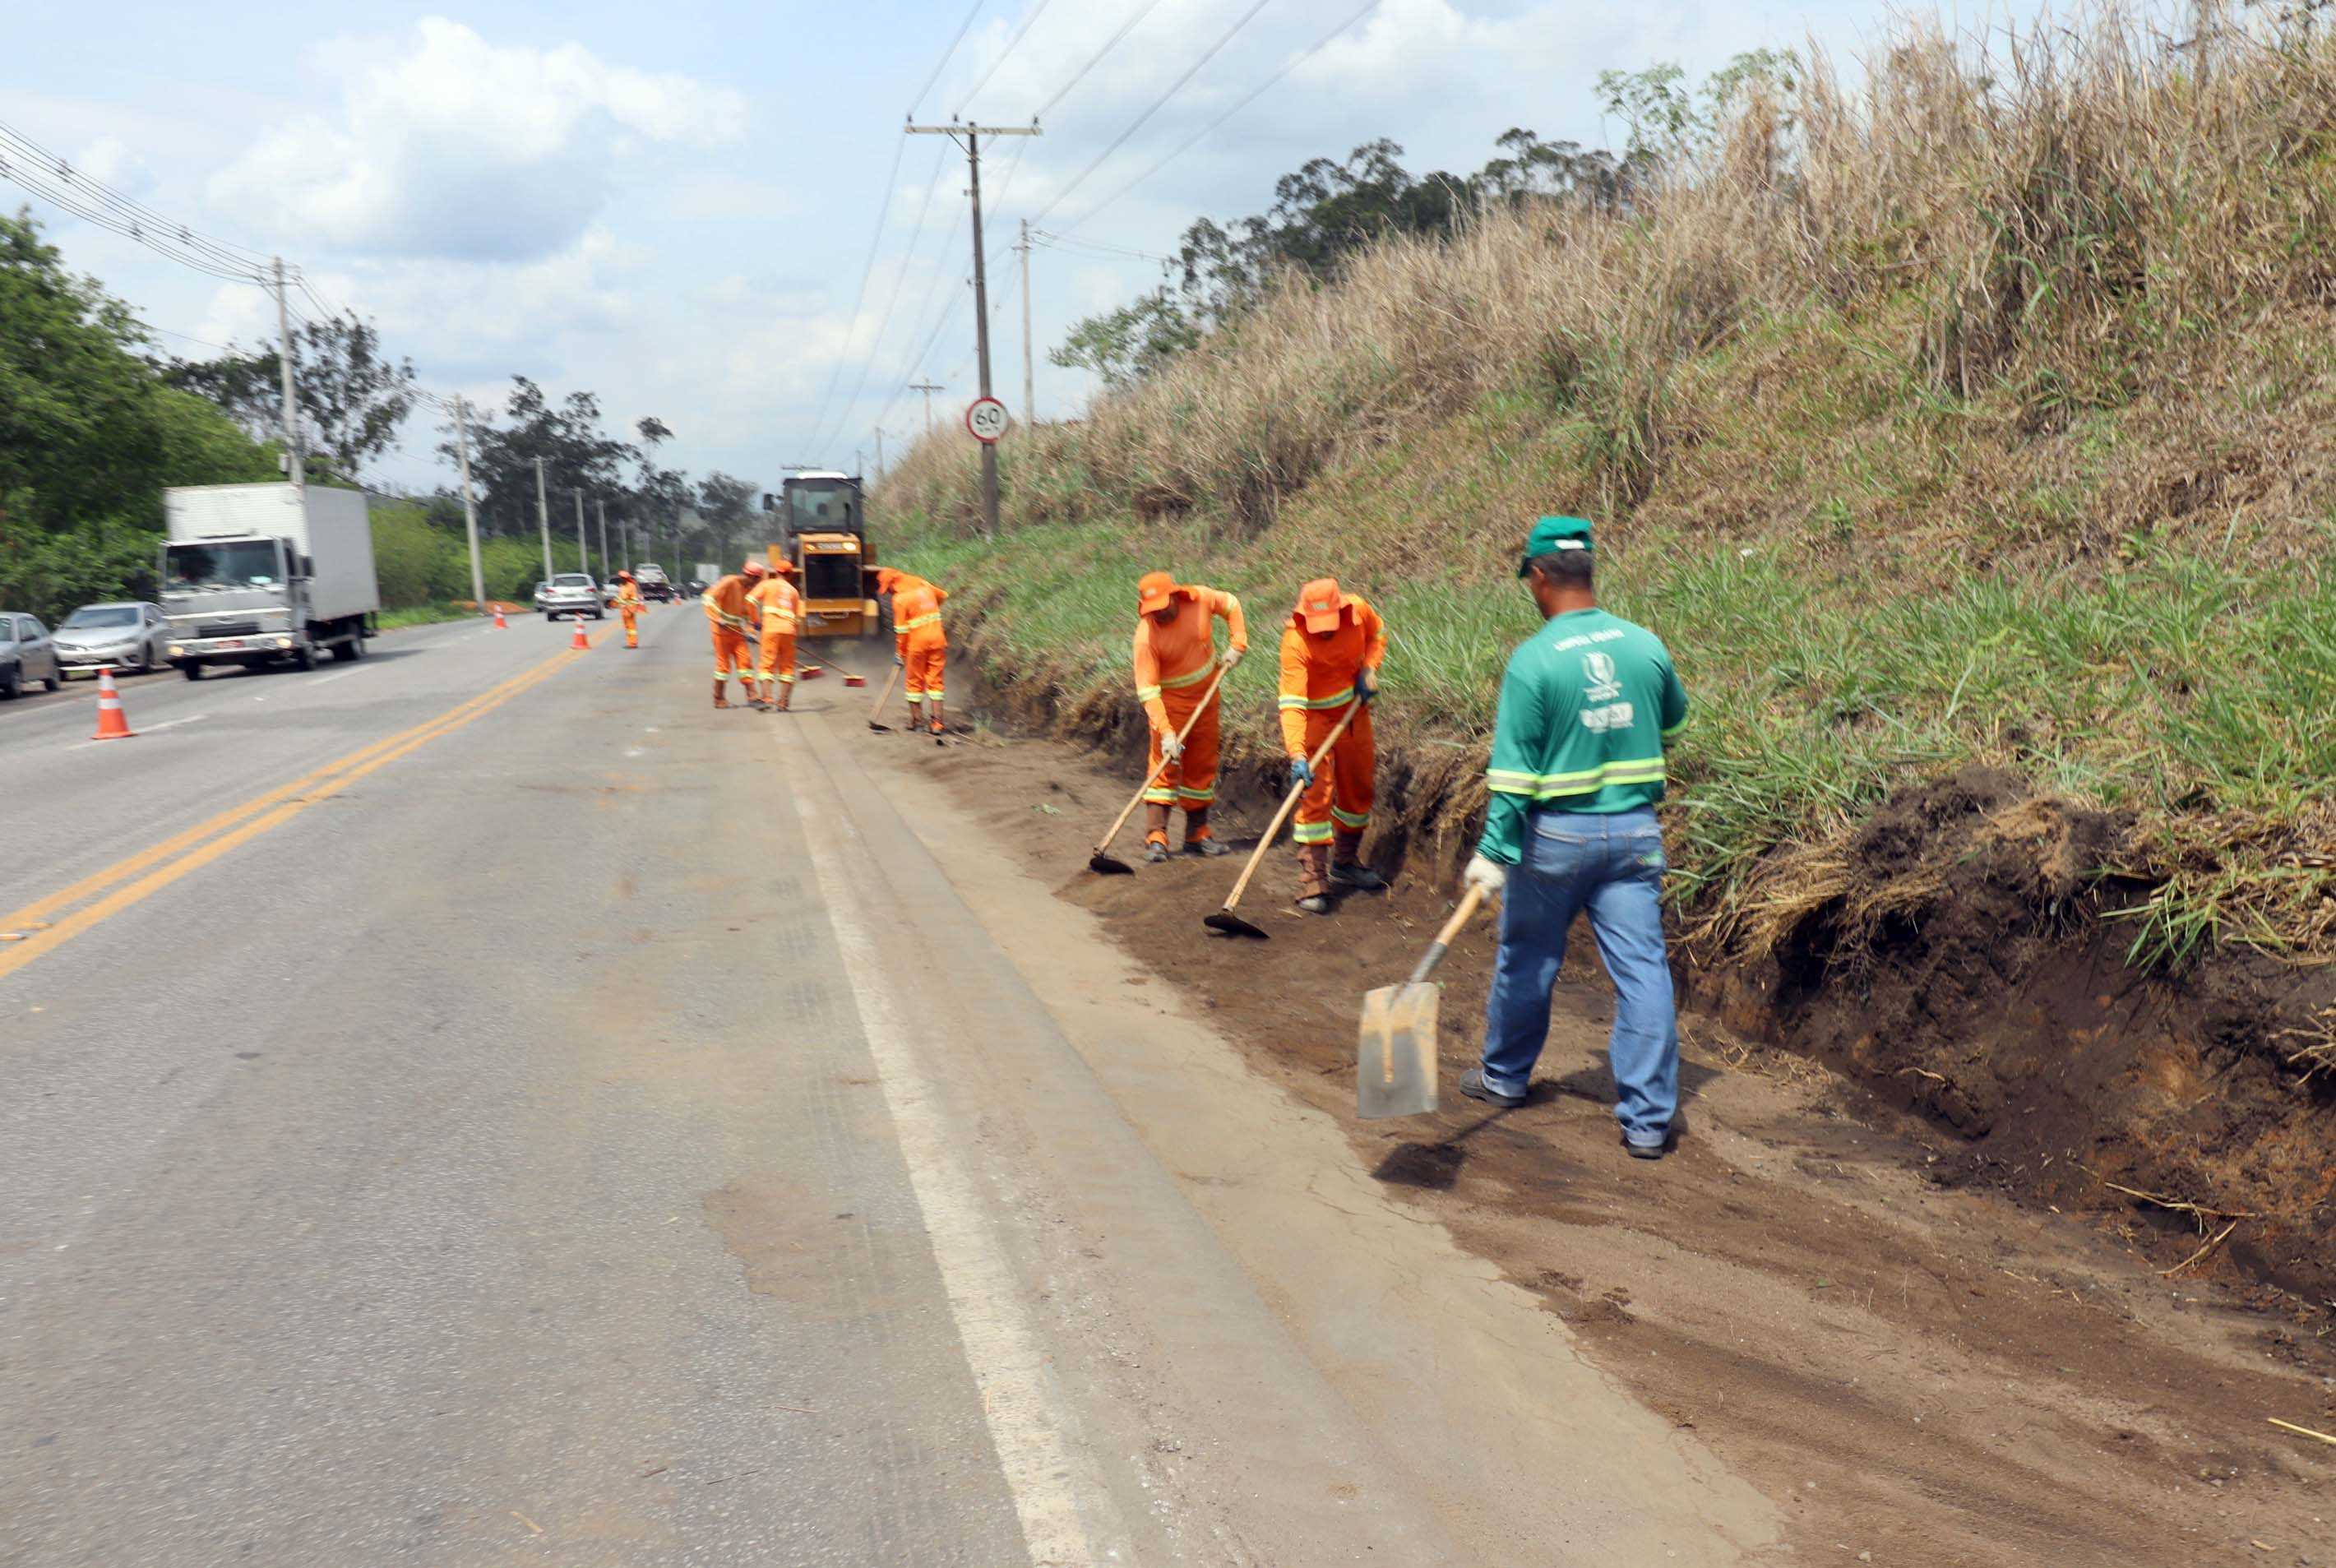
(1319, 604)
(886, 577)
(755, 569)
(783, 567)
(1154, 590)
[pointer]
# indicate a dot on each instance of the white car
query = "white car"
(129, 636)
(571, 593)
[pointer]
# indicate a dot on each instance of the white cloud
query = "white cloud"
(459, 148)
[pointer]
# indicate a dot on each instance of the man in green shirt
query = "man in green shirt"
(1587, 705)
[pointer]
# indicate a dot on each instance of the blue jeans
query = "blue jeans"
(1612, 866)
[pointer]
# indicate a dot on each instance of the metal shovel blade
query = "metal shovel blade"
(1395, 1057)
(1109, 865)
(1233, 925)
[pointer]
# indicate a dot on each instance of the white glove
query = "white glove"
(1170, 748)
(1233, 657)
(1487, 875)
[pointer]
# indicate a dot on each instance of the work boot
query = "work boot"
(1313, 878)
(1197, 839)
(1155, 850)
(1357, 875)
(721, 694)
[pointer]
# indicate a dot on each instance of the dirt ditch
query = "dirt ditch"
(1863, 1286)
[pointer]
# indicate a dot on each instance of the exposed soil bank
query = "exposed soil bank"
(1869, 1293)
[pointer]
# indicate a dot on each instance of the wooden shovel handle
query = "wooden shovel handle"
(1151, 778)
(1289, 802)
(885, 695)
(1436, 950)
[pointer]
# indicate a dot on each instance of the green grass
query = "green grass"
(423, 615)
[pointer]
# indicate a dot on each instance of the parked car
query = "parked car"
(571, 593)
(130, 635)
(540, 589)
(26, 654)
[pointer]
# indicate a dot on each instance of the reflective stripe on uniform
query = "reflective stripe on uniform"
(1160, 795)
(1550, 786)
(930, 617)
(1316, 703)
(1146, 693)
(1311, 834)
(1350, 819)
(1178, 682)
(1197, 797)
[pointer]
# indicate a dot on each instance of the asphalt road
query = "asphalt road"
(479, 1106)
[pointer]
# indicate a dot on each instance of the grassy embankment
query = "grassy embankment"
(1988, 416)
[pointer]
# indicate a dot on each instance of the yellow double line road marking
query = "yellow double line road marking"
(206, 841)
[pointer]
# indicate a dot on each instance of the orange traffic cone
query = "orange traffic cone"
(111, 723)
(580, 640)
(500, 625)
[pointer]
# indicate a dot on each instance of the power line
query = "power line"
(1125, 28)
(1023, 32)
(943, 63)
(129, 214)
(876, 344)
(1173, 88)
(1064, 242)
(867, 270)
(1205, 131)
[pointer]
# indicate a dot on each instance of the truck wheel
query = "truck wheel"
(191, 670)
(304, 656)
(346, 652)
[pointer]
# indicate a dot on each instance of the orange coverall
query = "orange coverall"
(1318, 683)
(729, 613)
(780, 603)
(917, 636)
(1173, 666)
(628, 607)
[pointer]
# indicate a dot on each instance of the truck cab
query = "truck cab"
(258, 574)
(822, 531)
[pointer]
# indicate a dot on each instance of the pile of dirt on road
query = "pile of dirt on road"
(1959, 958)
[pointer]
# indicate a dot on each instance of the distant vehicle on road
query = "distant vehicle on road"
(654, 584)
(26, 654)
(131, 634)
(571, 593)
(694, 586)
(258, 574)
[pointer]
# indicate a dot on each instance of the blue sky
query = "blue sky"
(672, 206)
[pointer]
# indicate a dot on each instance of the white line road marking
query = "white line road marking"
(327, 680)
(150, 729)
(1008, 1363)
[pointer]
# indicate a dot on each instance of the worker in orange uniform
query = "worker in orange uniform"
(780, 604)
(1330, 655)
(919, 646)
(629, 607)
(1176, 659)
(731, 617)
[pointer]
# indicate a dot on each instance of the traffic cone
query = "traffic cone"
(111, 723)
(500, 625)
(580, 640)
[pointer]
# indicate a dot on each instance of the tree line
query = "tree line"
(95, 421)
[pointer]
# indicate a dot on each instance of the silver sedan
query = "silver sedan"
(129, 635)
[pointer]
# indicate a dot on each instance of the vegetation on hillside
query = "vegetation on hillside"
(1979, 414)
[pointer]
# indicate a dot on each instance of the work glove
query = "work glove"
(1486, 874)
(1170, 748)
(1367, 683)
(1233, 657)
(1302, 772)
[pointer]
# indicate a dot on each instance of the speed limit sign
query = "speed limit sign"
(987, 419)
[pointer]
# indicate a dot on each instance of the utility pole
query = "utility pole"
(972, 135)
(543, 519)
(295, 469)
(583, 555)
(470, 507)
(927, 388)
(1029, 366)
(602, 507)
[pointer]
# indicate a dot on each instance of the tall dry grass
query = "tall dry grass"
(2059, 212)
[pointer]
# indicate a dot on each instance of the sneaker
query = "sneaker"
(1319, 904)
(1654, 1151)
(1155, 852)
(1472, 1084)
(1359, 875)
(1209, 847)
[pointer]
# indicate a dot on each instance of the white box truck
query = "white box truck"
(254, 574)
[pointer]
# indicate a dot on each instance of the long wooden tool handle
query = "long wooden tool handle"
(1153, 777)
(885, 695)
(1289, 802)
(1460, 917)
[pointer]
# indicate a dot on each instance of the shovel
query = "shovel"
(1106, 864)
(1224, 920)
(883, 698)
(1395, 1057)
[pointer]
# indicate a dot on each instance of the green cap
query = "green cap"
(1552, 534)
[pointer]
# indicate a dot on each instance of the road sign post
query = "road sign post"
(987, 419)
